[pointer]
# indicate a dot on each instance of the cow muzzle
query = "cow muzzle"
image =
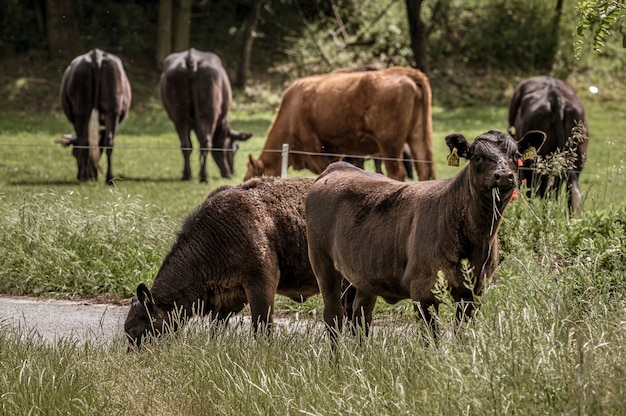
(504, 179)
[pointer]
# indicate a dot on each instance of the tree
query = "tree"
(418, 34)
(174, 23)
(164, 31)
(598, 17)
(61, 29)
(248, 39)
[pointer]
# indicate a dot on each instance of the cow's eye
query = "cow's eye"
(477, 158)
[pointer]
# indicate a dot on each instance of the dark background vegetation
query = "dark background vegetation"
(474, 50)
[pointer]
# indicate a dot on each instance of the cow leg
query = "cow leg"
(362, 314)
(329, 282)
(575, 196)
(86, 168)
(260, 297)
(107, 141)
(393, 164)
(424, 161)
(203, 138)
(348, 294)
(185, 147)
(424, 310)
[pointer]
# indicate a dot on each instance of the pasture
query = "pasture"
(549, 338)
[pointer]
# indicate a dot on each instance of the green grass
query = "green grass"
(548, 338)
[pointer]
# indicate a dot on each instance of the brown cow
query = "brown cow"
(420, 229)
(196, 93)
(96, 95)
(357, 113)
(550, 105)
(243, 245)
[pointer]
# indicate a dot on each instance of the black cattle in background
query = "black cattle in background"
(96, 95)
(196, 93)
(551, 105)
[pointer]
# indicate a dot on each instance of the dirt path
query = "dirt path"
(55, 319)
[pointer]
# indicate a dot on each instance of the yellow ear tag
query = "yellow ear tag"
(453, 157)
(512, 130)
(529, 153)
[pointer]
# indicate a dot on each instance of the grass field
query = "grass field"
(548, 339)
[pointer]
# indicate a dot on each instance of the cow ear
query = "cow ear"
(144, 295)
(458, 148)
(251, 160)
(530, 144)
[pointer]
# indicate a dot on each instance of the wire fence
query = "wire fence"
(285, 151)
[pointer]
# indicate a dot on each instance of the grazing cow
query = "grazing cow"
(421, 229)
(195, 91)
(243, 245)
(551, 105)
(96, 96)
(352, 112)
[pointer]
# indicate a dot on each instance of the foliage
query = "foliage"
(498, 34)
(599, 18)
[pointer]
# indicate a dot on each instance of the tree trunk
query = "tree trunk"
(182, 25)
(418, 35)
(246, 49)
(61, 30)
(164, 32)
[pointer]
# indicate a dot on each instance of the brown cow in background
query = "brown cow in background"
(352, 113)
(96, 95)
(196, 93)
(551, 105)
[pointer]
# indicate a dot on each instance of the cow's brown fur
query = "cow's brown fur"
(413, 231)
(243, 245)
(94, 83)
(354, 113)
(550, 105)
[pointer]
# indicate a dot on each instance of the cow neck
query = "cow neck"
(478, 216)
(170, 290)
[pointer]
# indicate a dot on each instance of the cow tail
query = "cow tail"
(191, 75)
(93, 127)
(558, 114)
(425, 169)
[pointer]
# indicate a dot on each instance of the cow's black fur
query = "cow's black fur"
(550, 105)
(196, 93)
(96, 96)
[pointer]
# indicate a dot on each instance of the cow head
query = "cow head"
(494, 159)
(256, 168)
(145, 319)
(232, 144)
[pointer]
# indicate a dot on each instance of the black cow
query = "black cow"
(551, 105)
(421, 228)
(243, 245)
(96, 95)
(196, 94)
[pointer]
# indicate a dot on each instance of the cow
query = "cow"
(196, 93)
(241, 246)
(96, 96)
(422, 229)
(551, 105)
(353, 113)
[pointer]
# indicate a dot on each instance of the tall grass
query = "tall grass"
(63, 243)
